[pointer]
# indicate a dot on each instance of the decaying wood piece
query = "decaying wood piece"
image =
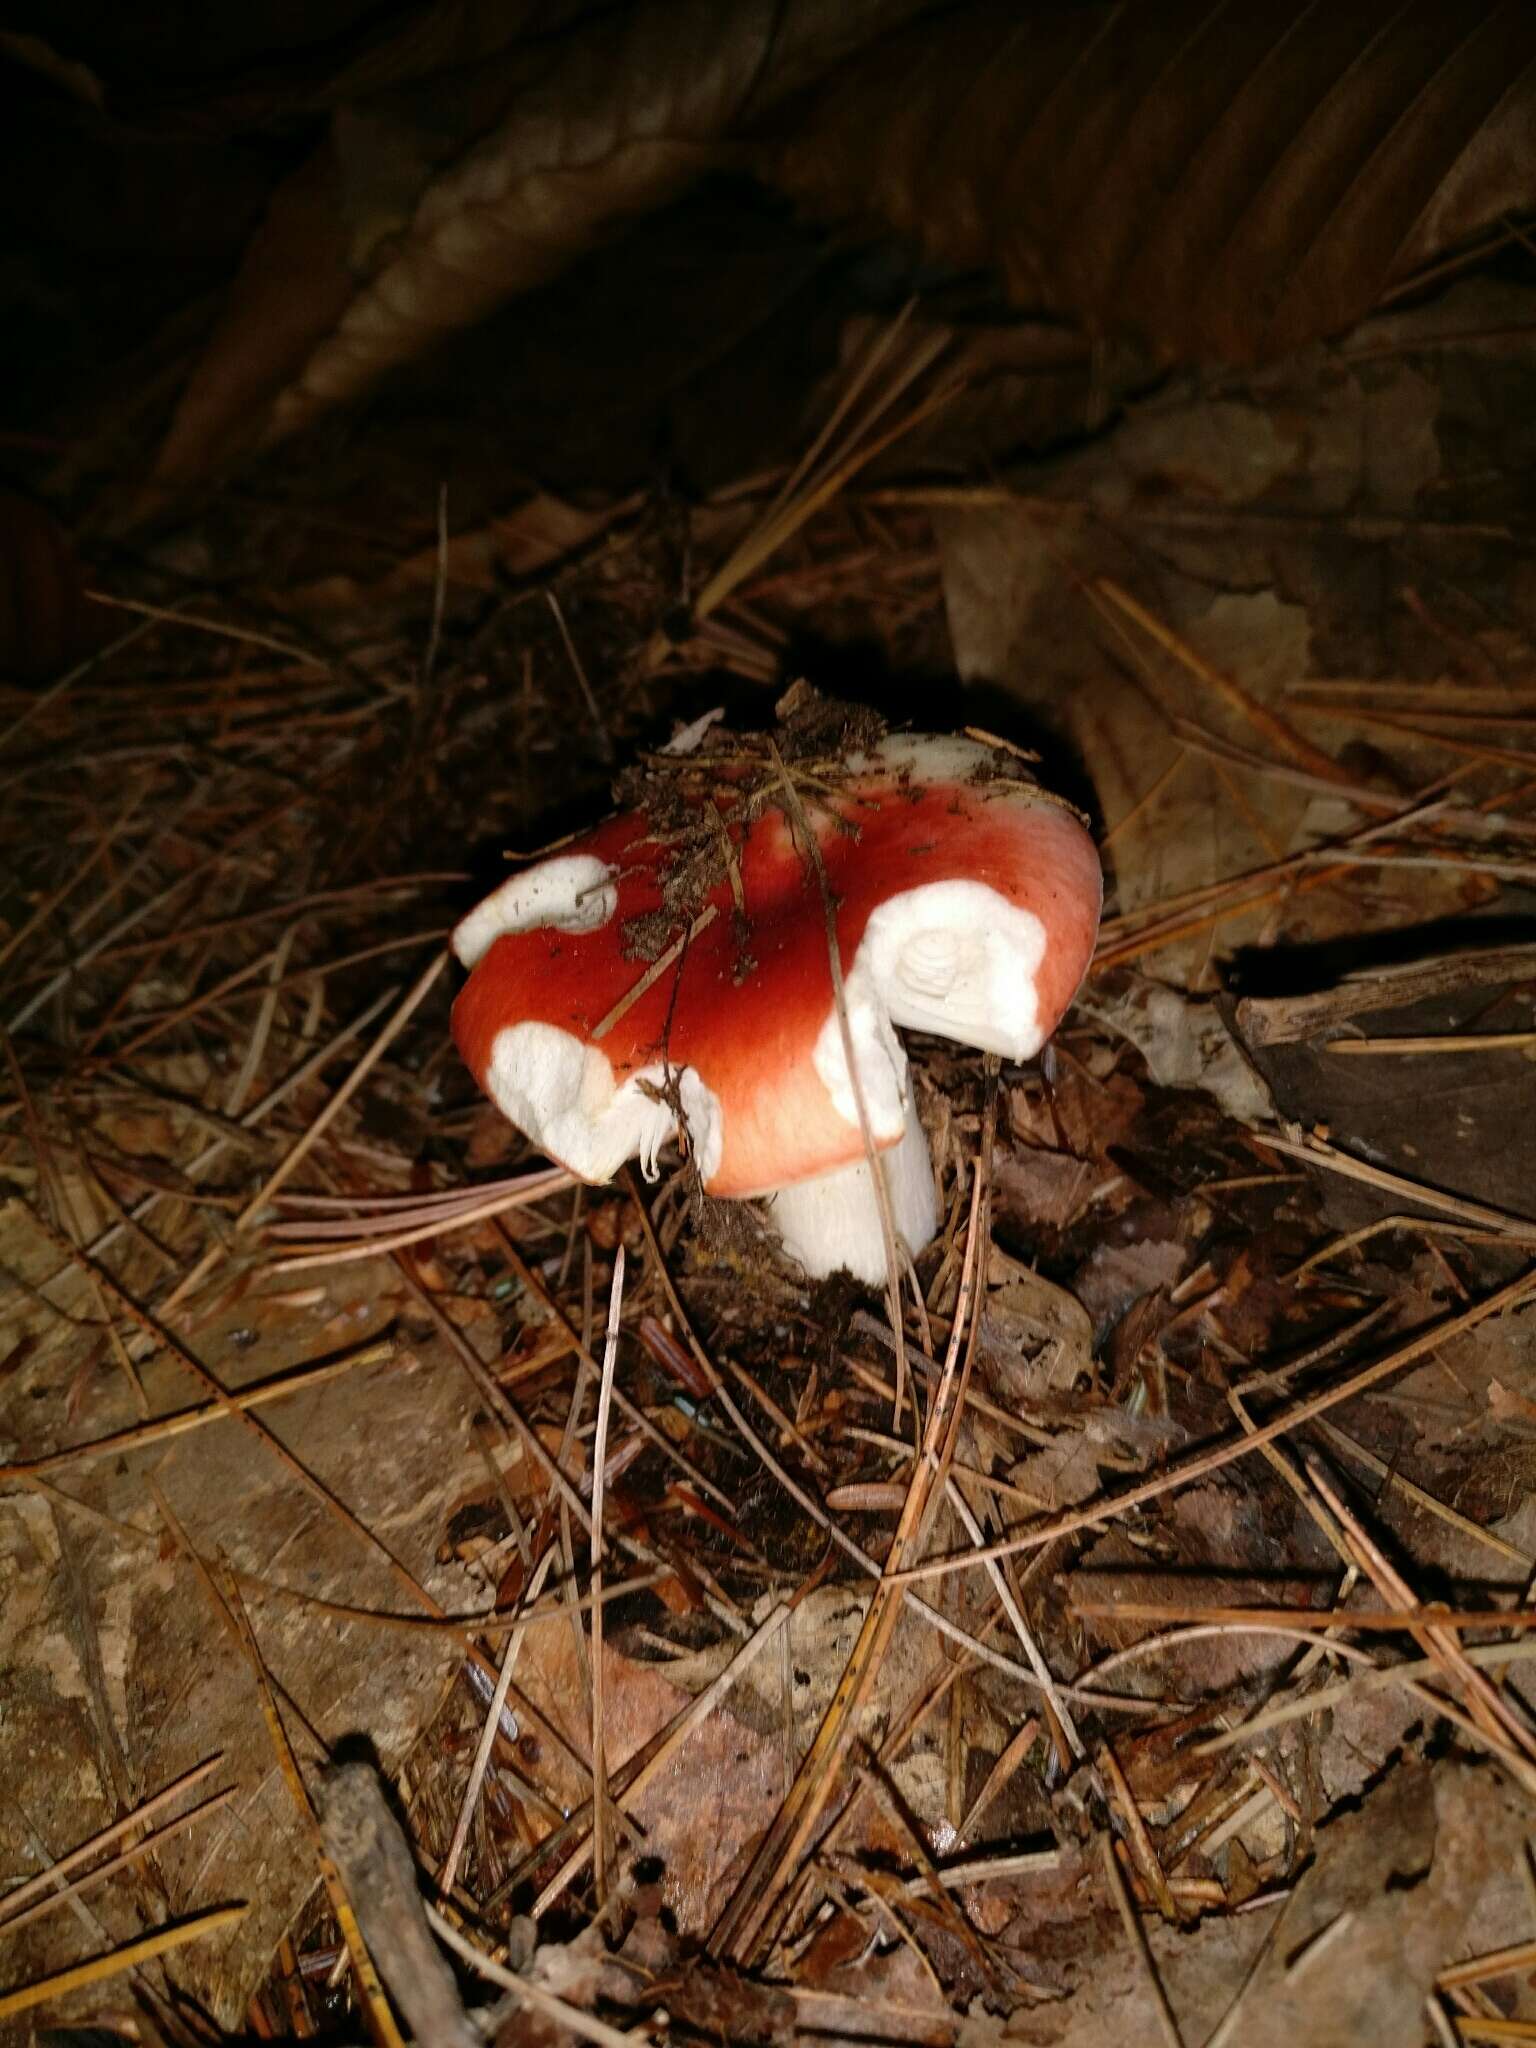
(369, 1850)
(1290, 1020)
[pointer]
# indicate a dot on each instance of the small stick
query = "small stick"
(1486, 1041)
(1369, 1620)
(373, 1861)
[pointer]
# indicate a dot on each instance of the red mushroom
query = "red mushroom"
(966, 904)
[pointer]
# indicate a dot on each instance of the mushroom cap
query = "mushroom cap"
(966, 905)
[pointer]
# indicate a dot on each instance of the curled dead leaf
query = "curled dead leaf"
(1225, 182)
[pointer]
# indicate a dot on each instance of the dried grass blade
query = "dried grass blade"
(414, 997)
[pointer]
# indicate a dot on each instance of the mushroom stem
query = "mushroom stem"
(833, 1221)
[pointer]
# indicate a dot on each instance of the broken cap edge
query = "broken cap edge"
(562, 1095)
(570, 892)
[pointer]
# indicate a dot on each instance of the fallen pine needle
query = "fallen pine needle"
(600, 1796)
(450, 1869)
(159, 615)
(1485, 1041)
(1122, 1899)
(1310, 1617)
(100, 1968)
(156, 1839)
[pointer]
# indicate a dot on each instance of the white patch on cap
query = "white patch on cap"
(960, 961)
(926, 756)
(877, 1055)
(574, 892)
(561, 1094)
(834, 1220)
(688, 738)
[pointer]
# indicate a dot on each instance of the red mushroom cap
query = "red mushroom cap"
(967, 903)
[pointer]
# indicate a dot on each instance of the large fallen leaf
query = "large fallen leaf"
(1210, 181)
(1225, 181)
(617, 118)
(1269, 531)
(116, 1674)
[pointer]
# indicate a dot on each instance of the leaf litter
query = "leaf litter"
(846, 1793)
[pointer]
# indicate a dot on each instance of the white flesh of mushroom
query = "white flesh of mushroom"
(562, 1094)
(573, 892)
(955, 959)
(952, 958)
(556, 1090)
(834, 1220)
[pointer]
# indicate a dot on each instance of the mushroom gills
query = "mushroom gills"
(833, 1220)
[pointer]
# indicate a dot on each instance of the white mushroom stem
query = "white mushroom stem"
(834, 1220)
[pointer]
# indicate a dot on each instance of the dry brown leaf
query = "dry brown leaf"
(1423, 1873)
(1256, 526)
(614, 120)
(1185, 1043)
(394, 1440)
(292, 288)
(535, 535)
(1214, 181)
(1224, 181)
(1505, 1405)
(1033, 1332)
